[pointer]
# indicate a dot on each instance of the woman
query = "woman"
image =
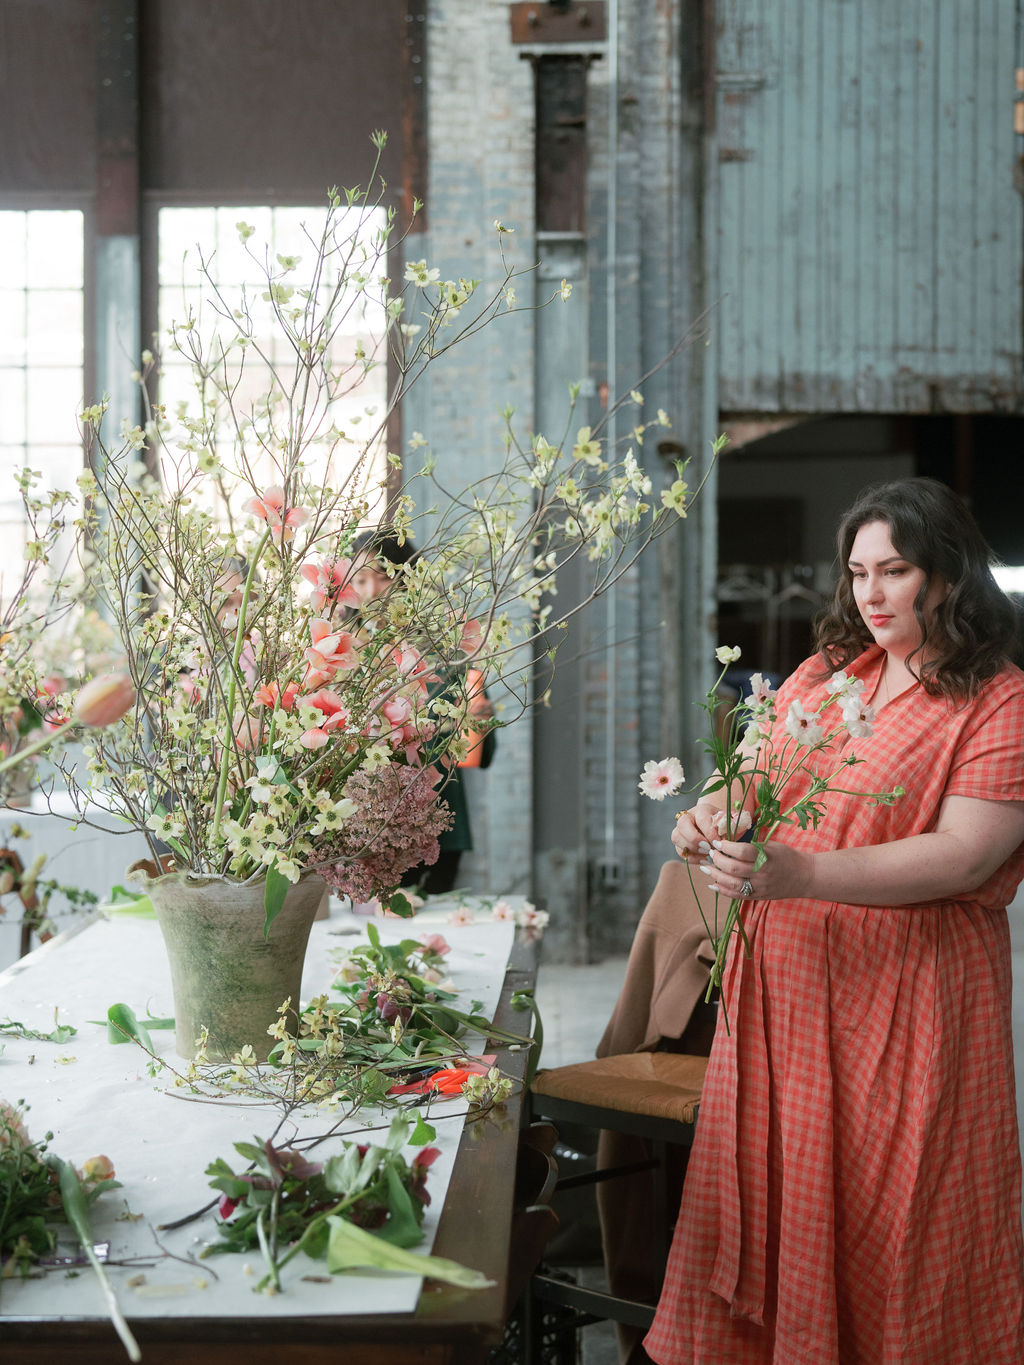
(854, 1195)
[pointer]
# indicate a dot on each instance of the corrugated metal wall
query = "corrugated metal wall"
(869, 252)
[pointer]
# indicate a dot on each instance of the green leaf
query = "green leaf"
(124, 1027)
(422, 1133)
(124, 902)
(273, 896)
(400, 905)
(402, 1228)
(352, 1248)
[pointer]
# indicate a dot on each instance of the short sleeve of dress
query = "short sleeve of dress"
(988, 762)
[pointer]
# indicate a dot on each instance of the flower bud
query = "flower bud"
(104, 700)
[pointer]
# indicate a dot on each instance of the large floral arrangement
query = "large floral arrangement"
(285, 723)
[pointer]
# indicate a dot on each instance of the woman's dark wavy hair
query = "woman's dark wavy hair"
(973, 631)
(384, 543)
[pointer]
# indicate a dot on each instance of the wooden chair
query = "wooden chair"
(652, 1096)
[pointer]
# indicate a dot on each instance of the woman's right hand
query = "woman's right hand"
(696, 829)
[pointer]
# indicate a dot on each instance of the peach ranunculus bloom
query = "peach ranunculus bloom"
(436, 943)
(96, 1170)
(270, 694)
(334, 714)
(331, 652)
(331, 588)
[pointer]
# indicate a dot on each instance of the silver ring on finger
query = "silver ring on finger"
(746, 890)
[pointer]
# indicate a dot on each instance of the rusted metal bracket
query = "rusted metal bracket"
(580, 21)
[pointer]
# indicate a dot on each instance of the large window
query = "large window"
(184, 233)
(41, 358)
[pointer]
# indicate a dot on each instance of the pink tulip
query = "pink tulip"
(104, 700)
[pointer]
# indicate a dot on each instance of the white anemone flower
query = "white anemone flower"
(804, 726)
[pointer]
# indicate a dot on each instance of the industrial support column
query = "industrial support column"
(116, 248)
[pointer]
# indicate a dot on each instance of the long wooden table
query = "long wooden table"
(447, 1327)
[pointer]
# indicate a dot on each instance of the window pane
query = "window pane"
(233, 265)
(13, 252)
(54, 397)
(54, 241)
(41, 350)
(12, 458)
(54, 330)
(12, 408)
(12, 326)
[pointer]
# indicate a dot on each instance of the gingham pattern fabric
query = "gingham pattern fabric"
(854, 1192)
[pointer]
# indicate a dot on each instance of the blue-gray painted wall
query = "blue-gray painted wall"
(869, 225)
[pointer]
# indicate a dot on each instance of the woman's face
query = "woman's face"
(885, 587)
(368, 579)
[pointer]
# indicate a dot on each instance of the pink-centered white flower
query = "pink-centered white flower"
(804, 726)
(331, 586)
(858, 717)
(464, 915)
(761, 691)
(528, 917)
(662, 778)
(271, 509)
(502, 911)
(842, 685)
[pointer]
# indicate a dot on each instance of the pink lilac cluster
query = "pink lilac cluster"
(394, 828)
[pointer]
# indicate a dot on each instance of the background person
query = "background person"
(854, 1192)
(370, 552)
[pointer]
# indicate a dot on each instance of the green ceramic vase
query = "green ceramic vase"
(226, 976)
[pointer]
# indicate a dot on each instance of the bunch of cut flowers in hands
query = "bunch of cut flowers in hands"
(754, 766)
(362, 1208)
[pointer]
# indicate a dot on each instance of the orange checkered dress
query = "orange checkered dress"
(854, 1192)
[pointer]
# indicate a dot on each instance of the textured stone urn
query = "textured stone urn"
(226, 976)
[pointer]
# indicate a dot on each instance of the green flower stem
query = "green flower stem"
(269, 1255)
(273, 1275)
(236, 654)
(76, 1210)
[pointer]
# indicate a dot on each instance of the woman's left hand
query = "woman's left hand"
(730, 870)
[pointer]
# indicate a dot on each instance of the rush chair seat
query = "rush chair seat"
(652, 1096)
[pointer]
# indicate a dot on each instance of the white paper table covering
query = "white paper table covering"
(103, 1101)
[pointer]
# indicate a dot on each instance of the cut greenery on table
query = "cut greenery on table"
(360, 1209)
